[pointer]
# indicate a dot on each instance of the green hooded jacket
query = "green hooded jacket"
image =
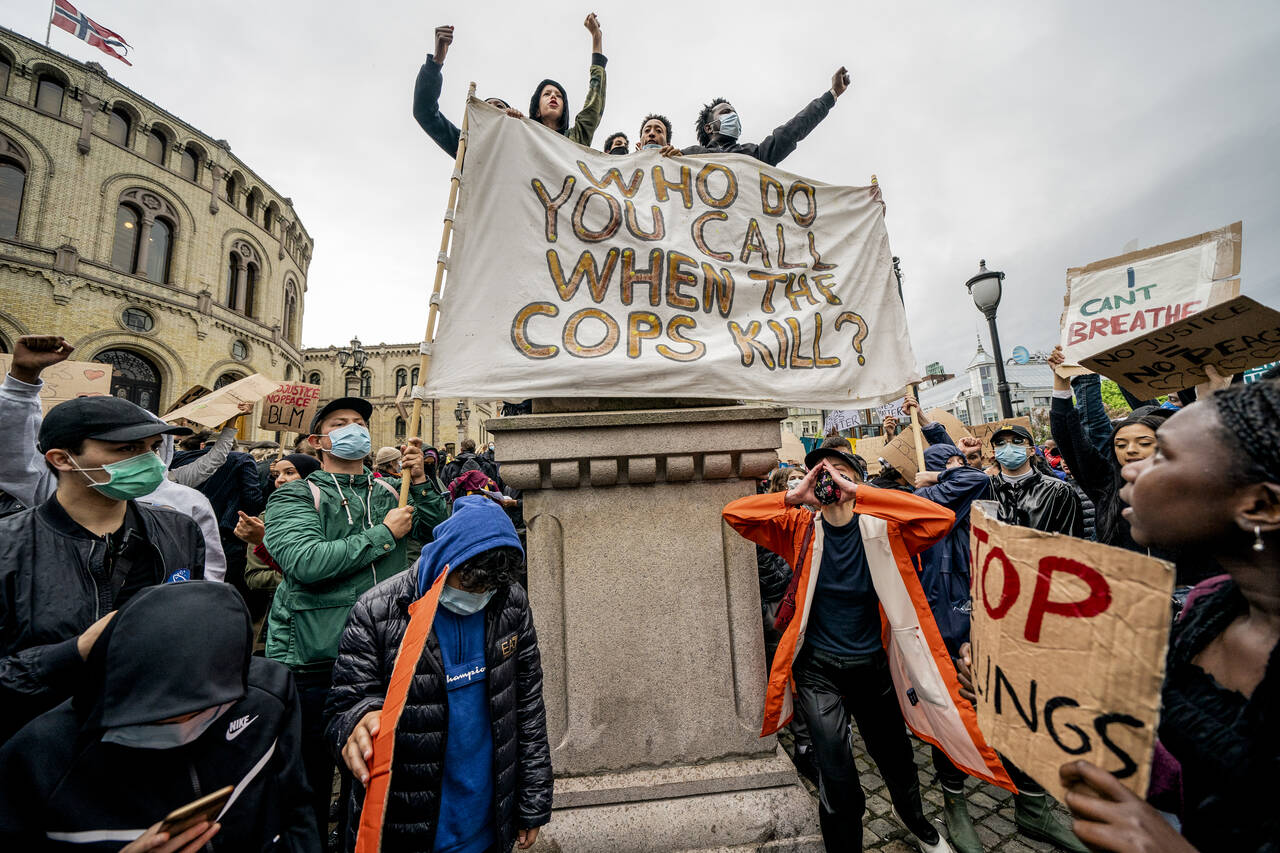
(328, 561)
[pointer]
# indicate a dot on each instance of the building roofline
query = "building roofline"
(210, 142)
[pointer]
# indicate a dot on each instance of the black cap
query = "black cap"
(855, 462)
(104, 418)
(356, 404)
(1016, 429)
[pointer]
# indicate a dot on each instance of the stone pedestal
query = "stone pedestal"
(648, 615)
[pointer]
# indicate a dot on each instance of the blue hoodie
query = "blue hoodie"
(944, 567)
(466, 792)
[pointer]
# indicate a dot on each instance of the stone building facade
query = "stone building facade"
(388, 368)
(144, 242)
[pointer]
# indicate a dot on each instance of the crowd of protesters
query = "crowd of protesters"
(184, 622)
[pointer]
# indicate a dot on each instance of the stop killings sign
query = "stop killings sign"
(1069, 641)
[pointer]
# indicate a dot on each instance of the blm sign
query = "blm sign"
(290, 407)
(1069, 641)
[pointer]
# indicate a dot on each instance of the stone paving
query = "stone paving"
(990, 807)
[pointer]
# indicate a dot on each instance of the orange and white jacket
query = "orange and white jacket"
(895, 527)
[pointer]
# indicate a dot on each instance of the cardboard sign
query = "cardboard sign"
(195, 392)
(843, 419)
(901, 451)
(870, 448)
(1115, 300)
(223, 404)
(290, 407)
(1069, 640)
(404, 402)
(67, 380)
(1233, 336)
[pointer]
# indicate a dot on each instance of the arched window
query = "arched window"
(13, 180)
(118, 125)
(290, 313)
(157, 142)
(401, 430)
(314, 378)
(161, 239)
(49, 92)
(133, 377)
(269, 217)
(252, 202)
(232, 189)
(366, 383)
(124, 249)
(250, 287)
(189, 164)
(5, 67)
(233, 279)
(413, 377)
(288, 371)
(226, 379)
(402, 378)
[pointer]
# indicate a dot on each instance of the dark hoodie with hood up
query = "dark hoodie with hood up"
(471, 764)
(588, 118)
(171, 650)
(944, 571)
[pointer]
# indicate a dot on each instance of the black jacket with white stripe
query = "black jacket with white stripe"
(63, 788)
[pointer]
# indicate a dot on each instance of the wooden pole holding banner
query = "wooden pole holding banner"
(915, 388)
(419, 391)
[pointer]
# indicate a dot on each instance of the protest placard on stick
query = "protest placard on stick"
(983, 432)
(1233, 336)
(290, 407)
(195, 392)
(222, 404)
(67, 380)
(1114, 300)
(1069, 641)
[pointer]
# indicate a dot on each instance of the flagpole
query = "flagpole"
(48, 29)
(420, 391)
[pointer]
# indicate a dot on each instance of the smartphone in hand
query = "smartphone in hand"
(206, 808)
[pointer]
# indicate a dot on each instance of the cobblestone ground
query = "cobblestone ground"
(990, 807)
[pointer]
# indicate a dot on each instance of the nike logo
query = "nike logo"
(237, 726)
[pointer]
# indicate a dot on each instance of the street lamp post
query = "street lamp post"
(358, 357)
(985, 289)
(463, 415)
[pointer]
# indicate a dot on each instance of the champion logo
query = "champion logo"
(467, 676)
(238, 726)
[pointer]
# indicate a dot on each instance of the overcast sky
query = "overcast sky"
(1036, 135)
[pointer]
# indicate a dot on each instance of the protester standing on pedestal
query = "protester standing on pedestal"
(550, 105)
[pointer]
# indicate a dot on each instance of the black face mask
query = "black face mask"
(618, 149)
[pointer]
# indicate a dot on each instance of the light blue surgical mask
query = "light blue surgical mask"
(730, 125)
(651, 145)
(1011, 456)
(165, 735)
(350, 442)
(462, 602)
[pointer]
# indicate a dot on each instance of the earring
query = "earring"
(1257, 539)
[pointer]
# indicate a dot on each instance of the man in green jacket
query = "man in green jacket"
(334, 535)
(550, 106)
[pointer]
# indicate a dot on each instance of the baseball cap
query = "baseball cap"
(855, 462)
(356, 404)
(1016, 429)
(104, 418)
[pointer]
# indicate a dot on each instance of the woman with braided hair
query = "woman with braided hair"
(1211, 489)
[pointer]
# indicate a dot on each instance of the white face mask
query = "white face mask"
(165, 735)
(791, 484)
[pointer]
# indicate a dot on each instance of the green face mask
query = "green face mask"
(129, 478)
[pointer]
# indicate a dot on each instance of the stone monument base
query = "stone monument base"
(755, 804)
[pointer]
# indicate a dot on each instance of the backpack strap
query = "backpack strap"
(315, 494)
(394, 492)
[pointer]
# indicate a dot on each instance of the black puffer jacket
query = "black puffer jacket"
(522, 760)
(54, 585)
(1041, 501)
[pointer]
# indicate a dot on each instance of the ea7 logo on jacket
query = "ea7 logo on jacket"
(509, 646)
(238, 726)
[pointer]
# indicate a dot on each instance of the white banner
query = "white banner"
(1111, 301)
(575, 273)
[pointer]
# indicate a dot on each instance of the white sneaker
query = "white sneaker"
(941, 847)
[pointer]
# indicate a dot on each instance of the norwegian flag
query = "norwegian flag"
(67, 17)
